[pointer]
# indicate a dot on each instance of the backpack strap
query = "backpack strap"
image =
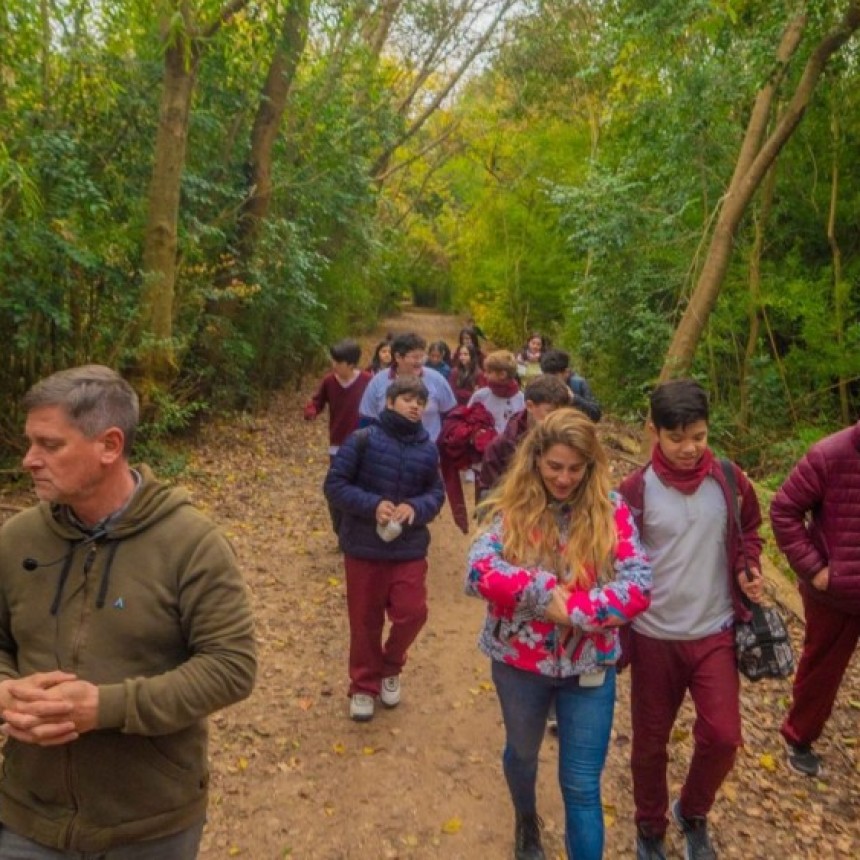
(759, 622)
(729, 472)
(362, 438)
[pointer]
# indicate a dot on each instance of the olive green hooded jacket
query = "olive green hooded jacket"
(154, 611)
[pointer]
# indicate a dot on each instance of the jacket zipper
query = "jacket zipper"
(85, 605)
(71, 827)
(89, 560)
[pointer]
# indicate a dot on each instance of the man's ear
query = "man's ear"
(113, 441)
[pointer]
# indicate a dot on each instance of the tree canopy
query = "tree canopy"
(204, 193)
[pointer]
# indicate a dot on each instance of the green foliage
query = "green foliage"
(568, 185)
(658, 95)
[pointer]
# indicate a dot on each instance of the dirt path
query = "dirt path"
(293, 777)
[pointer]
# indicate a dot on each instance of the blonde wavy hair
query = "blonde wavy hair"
(531, 531)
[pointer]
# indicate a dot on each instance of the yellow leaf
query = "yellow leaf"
(452, 826)
(243, 763)
(767, 761)
(234, 850)
(333, 581)
(609, 815)
(369, 751)
(339, 748)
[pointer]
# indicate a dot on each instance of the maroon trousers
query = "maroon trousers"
(661, 673)
(828, 644)
(374, 588)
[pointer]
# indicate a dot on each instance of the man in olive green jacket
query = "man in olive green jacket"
(124, 622)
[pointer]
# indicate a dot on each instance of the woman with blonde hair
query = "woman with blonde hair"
(561, 567)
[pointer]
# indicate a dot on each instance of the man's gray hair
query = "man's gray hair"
(93, 396)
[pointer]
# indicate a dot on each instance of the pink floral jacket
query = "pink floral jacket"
(515, 631)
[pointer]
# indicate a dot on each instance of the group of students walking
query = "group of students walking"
(125, 622)
(566, 565)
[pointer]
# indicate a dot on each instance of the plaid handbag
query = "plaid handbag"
(762, 645)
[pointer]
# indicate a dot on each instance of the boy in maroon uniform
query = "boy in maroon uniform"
(341, 388)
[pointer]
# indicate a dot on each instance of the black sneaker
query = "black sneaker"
(695, 830)
(650, 847)
(801, 759)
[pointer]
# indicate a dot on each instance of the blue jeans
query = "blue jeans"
(584, 723)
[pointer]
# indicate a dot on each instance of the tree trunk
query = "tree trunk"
(157, 360)
(376, 29)
(267, 125)
(754, 307)
(754, 160)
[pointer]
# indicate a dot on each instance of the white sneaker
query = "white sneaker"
(389, 693)
(361, 707)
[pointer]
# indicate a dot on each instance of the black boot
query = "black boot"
(527, 845)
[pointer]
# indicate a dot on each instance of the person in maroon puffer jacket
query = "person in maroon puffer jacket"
(816, 522)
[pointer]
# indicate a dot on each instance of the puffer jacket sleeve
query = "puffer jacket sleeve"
(802, 491)
(428, 503)
(511, 589)
(628, 594)
(340, 488)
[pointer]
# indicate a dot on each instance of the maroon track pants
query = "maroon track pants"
(828, 644)
(375, 588)
(661, 673)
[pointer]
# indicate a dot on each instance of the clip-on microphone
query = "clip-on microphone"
(30, 564)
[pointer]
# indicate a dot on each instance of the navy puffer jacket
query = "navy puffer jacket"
(816, 519)
(397, 462)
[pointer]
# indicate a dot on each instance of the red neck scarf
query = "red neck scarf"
(506, 389)
(685, 481)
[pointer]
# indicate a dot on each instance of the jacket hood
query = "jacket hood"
(152, 502)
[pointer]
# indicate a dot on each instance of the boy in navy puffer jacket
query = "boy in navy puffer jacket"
(386, 484)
